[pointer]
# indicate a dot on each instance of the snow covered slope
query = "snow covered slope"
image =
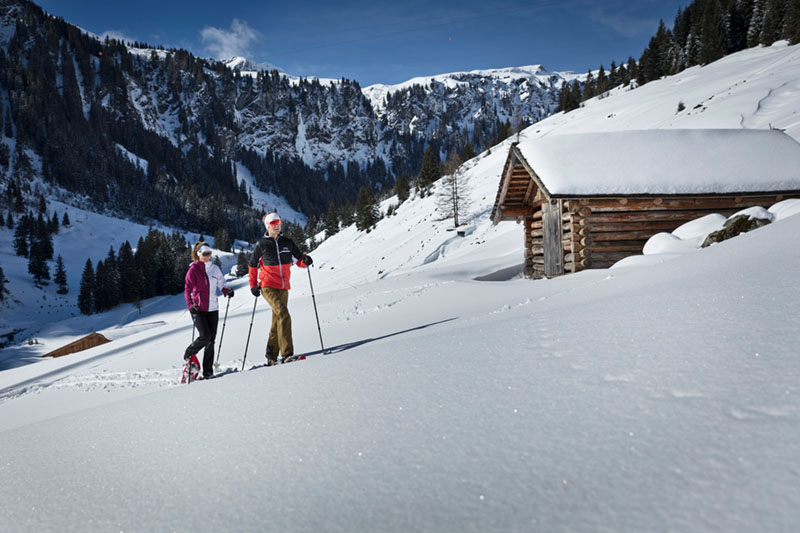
(454, 395)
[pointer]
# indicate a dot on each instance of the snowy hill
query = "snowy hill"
(453, 395)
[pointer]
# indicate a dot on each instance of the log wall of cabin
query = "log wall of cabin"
(598, 232)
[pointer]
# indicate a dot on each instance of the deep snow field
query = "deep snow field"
(659, 395)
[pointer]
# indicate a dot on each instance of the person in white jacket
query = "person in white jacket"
(200, 290)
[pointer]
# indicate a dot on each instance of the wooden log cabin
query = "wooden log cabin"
(589, 200)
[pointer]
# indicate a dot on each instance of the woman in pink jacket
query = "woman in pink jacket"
(200, 289)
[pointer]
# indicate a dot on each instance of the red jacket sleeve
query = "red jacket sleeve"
(253, 272)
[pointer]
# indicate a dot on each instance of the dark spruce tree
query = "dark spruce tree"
(60, 277)
(43, 237)
(100, 288)
(469, 151)
(37, 263)
(771, 28)
(712, 40)
(21, 244)
(428, 173)
(402, 188)
(128, 275)
(367, 214)
(332, 221)
(791, 23)
(86, 291)
(242, 268)
(222, 240)
(53, 226)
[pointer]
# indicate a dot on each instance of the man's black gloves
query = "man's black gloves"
(256, 291)
(307, 260)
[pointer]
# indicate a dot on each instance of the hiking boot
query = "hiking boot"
(271, 362)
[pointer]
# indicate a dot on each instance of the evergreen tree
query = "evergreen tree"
(86, 292)
(771, 29)
(2, 284)
(65, 220)
(712, 40)
(37, 262)
(736, 26)
(348, 215)
(402, 188)
(589, 86)
(61, 277)
(756, 23)
(367, 214)
(100, 288)
(21, 247)
(113, 281)
(41, 235)
(428, 173)
(469, 152)
(222, 240)
(242, 264)
(8, 127)
(53, 225)
(128, 274)
(332, 221)
(10, 221)
(19, 203)
(602, 80)
(791, 22)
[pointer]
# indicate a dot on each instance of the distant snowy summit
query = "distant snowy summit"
(242, 64)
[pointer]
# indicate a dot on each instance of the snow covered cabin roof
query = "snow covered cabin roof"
(664, 162)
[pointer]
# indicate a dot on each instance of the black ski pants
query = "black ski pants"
(206, 324)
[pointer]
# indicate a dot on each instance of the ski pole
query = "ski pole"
(313, 299)
(216, 363)
(247, 344)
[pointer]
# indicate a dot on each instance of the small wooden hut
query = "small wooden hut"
(84, 343)
(589, 200)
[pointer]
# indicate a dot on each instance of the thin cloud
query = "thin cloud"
(236, 41)
(624, 25)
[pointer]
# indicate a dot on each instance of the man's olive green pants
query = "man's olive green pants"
(280, 333)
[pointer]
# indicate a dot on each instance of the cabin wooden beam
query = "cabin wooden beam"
(515, 211)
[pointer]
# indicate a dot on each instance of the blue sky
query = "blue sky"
(385, 42)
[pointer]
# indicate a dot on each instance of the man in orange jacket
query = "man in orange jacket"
(270, 268)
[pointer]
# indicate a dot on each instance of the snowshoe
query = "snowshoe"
(191, 371)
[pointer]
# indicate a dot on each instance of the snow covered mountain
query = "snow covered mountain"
(453, 395)
(462, 101)
(175, 117)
